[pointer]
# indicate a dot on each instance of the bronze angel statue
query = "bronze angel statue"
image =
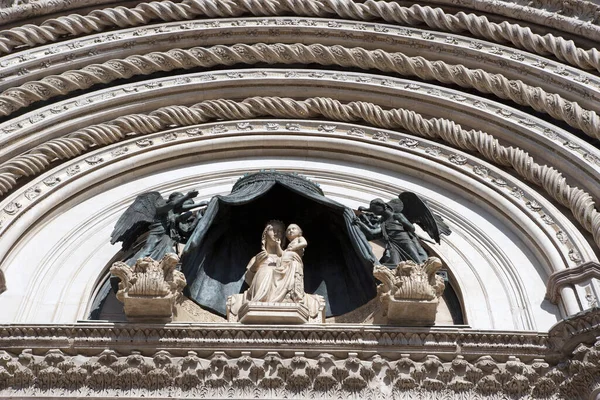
(393, 222)
(166, 223)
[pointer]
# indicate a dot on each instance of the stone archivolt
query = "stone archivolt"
(523, 37)
(566, 15)
(550, 75)
(14, 99)
(579, 202)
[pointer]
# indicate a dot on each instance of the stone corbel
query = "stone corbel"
(570, 333)
(579, 287)
(149, 289)
(409, 294)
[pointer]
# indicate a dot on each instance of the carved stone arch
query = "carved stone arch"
(233, 145)
(448, 48)
(574, 154)
(517, 34)
(505, 148)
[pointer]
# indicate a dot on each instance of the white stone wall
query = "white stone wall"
(55, 266)
(496, 124)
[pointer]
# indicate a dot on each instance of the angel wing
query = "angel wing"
(136, 219)
(417, 212)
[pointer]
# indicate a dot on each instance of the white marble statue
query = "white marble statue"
(276, 274)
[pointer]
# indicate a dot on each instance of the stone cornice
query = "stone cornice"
(570, 276)
(570, 332)
(232, 360)
(89, 338)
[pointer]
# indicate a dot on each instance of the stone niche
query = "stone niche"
(235, 272)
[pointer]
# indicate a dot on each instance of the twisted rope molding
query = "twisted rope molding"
(573, 84)
(121, 17)
(38, 159)
(569, 16)
(34, 64)
(40, 8)
(556, 106)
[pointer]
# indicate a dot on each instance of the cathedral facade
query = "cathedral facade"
(486, 110)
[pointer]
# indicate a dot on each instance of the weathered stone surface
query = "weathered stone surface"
(409, 294)
(150, 288)
(2, 282)
(276, 283)
(72, 361)
(255, 312)
(251, 374)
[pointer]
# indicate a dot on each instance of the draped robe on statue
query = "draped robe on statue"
(338, 265)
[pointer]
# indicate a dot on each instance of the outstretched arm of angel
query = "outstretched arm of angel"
(178, 202)
(188, 207)
(371, 233)
(408, 226)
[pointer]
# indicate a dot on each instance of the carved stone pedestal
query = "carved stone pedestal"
(409, 294)
(258, 312)
(150, 288)
(273, 313)
(138, 308)
(411, 312)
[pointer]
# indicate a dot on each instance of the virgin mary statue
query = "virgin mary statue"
(276, 274)
(339, 263)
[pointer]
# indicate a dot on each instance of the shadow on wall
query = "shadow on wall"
(2, 282)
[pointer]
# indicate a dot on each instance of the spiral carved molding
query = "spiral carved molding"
(14, 99)
(39, 158)
(479, 26)
(573, 16)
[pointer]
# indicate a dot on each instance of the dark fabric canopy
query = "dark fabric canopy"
(338, 261)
